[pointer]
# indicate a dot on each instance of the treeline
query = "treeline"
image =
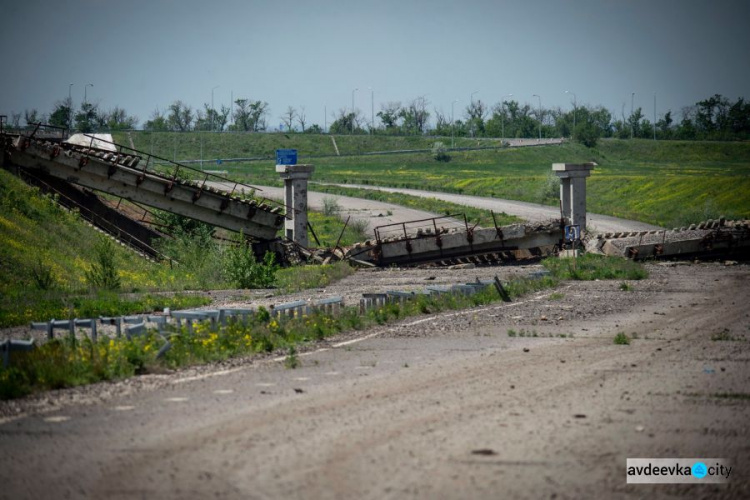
(88, 118)
(715, 118)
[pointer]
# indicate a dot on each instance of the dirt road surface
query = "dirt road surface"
(374, 213)
(530, 399)
(525, 210)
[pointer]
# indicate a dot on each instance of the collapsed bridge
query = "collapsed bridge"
(159, 183)
(142, 178)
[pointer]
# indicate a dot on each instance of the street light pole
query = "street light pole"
(372, 110)
(502, 115)
(212, 107)
(654, 115)
(70, 106)
(352, 125)
(453, 135)
(540, 116)
(575, 107)
(85, 88)
(632, 98)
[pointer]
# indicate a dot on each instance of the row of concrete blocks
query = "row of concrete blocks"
(376, 300)
(13, 345)
(331, 305)
(137, 325)
(709, 224)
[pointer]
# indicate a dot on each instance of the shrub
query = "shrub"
(331, 205)
(595, 267)
(587, 134)
(103, 273)
(42, 275)
(244, 271)
(622, 339)
(439, 152)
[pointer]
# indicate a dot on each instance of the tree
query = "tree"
(118, 119)
(634, 122)
(250, 116)
(61, 115)
(664, 126)
(87, 120)
(389, 115)
(180, 117)
(346, 122)
(314, 129)
(476, 112)
(210, 119)
(712, 114)
(288, 117)
(415, 116)
(442, 123)
(32, 117)
(587, 133)
(739, 118)
(302, 118)
(15, 120)
(686, 130)
(157, 123)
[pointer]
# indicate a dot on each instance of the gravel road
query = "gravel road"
(377, 213)
(528, 211)
(453, 405)
(374, 213)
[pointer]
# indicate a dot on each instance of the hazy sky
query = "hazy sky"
(141, 55)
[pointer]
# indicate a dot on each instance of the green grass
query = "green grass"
(733, 395)
(723, 335)
(294, 279)
(48, 254)
(440, 207)
(622, 339)
(328, 229)
(21, 307)
(595, 267)
(668, 183)
(65, 363)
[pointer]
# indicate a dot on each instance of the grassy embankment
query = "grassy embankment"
(667, 183)
(48, 254)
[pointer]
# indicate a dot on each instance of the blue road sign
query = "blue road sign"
(572, 233)
(286, 157)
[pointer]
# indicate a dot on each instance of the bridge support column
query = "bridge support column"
(295, 198)
(573, 190)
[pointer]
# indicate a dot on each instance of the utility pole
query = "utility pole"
(213, 112)
(372, 110)
(575, 108)
(70, 107)
(654, 115)
(632, 125)
(352, 126)
(453, 138)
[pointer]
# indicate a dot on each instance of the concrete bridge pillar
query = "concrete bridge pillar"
(573, 190)
(295, 198)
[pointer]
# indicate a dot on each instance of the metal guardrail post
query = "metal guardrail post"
(14, 345)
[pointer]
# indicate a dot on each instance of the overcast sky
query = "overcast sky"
(145, 54)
